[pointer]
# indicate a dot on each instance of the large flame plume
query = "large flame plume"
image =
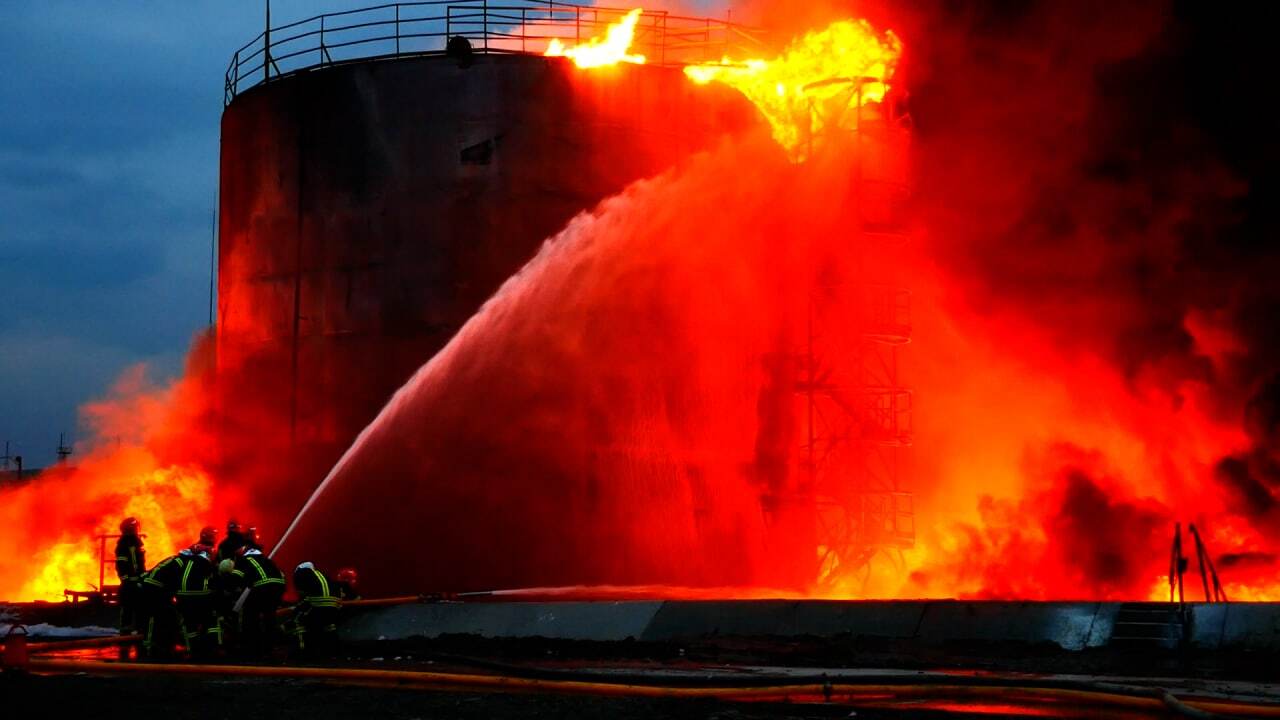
(817, 84)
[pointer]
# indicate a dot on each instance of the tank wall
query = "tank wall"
(368, 210)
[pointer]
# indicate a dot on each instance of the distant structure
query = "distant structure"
(64, 450)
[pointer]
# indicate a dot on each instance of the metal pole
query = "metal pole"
(398, 29)
(485, 25)
(1201, 558)
(213, 252)
(266, 46)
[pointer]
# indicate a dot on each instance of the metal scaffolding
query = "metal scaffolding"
(855, 413)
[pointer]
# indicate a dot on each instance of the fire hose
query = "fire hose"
(872, 689)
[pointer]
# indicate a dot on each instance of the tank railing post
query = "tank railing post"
(523, 23)
(235, 80)
(662, 48)
(322, 52)
(706, 42)
(448, 23)
(577, 25)
(484, 19)
(397, 29)
(266, 46)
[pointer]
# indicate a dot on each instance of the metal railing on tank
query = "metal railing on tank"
(412, 29)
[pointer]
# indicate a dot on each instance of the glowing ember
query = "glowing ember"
(810, 89)
(610, 50)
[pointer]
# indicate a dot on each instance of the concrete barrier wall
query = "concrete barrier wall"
(1068, 625)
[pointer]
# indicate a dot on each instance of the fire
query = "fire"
(808, 90)
(125, 471)
(608, 50)
(170, 502)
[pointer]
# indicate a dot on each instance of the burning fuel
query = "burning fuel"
(817, 85)
(610, 49)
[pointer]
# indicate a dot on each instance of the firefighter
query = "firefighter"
(232, 543)
(197, 605)
(261, 578)
(315, 617)
(208, 536)
(345, 582)
(251, 538)
(131, 563)
(159, 585)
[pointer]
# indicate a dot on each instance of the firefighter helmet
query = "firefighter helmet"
(208, 536)
(226, 566)
(347, 575)
(130, 526)
(233, 526)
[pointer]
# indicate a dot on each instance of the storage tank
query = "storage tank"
(368, 208)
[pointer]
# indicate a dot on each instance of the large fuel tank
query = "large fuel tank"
(368, 209)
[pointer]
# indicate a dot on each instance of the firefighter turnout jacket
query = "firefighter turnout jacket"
(166, 576)
(131, 559)
(314, 588)
(255, 570)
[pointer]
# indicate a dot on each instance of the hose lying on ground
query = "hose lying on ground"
(876, 688)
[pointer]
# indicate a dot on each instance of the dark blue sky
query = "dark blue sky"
(108, 166)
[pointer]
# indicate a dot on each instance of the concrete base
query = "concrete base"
(1068, 625)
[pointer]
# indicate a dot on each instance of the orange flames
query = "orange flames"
(610, 49)
(1041, 472)
(131, 467)
(810, 89)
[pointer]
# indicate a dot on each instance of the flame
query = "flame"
(169, 502)
(609, 50)
(57, 516)
(808, 90)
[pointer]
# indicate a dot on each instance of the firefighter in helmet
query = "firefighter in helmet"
(315, 617)
(345, 583)
(197, 605)
(260, 581)
(159, 618)
(251, 538)
(131, 563)
(231, 544)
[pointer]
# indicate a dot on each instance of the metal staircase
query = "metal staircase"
(1148, 626)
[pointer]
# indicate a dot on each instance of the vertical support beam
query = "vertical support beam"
(213, 252)
(266, 46)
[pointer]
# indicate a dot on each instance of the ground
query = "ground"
(175, 698)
